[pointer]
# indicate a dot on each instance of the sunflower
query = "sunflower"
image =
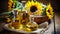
(10, 5)
(49, 11)
(33, 7)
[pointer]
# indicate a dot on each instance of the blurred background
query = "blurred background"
(55, 4)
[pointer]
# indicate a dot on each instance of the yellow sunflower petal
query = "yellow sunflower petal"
(28, 4)
(32, 2)
(8, 20)
(38, 5)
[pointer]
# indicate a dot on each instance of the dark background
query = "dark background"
(3, 5)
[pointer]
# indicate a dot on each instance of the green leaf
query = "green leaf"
(44, 11)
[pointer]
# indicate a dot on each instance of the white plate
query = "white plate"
(7, 28)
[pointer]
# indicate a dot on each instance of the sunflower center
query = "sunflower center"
(33, 9)
(49, 12)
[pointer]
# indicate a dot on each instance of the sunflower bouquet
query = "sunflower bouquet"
(38, 9)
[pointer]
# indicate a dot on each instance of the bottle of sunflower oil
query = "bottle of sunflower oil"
(25, 18)
(16, 20)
